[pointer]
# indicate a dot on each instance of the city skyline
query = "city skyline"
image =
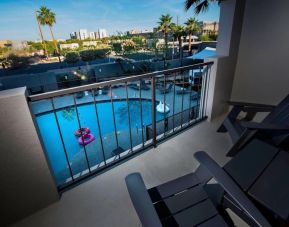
(71, 15)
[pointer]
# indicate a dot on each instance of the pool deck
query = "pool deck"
(43, 106)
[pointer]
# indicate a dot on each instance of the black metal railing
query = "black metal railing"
(88, 128)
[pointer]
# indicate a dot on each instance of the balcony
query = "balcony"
(89, 128)
(104, 200)
(251, 66)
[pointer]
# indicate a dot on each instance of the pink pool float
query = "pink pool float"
(85, 139)
(82, 131)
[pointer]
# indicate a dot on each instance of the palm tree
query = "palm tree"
(192, 26)
(42, 37)
(47, 17)
(164, 27)
(200, 5)
(178, 33)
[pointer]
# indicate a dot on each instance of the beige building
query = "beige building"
(5, 43)
(89, 43)
(69, 46)
(209, 27)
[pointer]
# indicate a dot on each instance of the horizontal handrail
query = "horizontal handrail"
(67, 91)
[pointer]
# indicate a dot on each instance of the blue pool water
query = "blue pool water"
(68, 122)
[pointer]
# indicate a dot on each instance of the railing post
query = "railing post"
(154, 111)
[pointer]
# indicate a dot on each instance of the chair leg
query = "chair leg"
(222, 129)
(228, 203)
(246, 136)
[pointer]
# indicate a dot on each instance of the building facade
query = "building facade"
(210, 28)
(5, 43)
(83, 34)
(102, 33)
(74, 35)
(89, 43)
(71, 46)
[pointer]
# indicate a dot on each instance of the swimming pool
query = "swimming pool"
(76, 153)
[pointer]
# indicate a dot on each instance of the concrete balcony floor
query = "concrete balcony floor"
(104, 200)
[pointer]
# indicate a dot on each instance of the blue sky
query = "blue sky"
(17, 18)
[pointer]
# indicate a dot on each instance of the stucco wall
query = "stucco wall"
(26, 181)
(222, 74)
(262, 70)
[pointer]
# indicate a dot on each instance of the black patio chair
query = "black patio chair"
(104, 90)
(167, 89)
(191, 201)
(261, 170)
(274, 128)
(142, 86)
(183, 91)
(79, 95)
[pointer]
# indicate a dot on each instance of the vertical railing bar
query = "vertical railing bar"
(204, 93)
(98, 125)
(141, 119)
(199, 95)
(154, 111)
(61, 138)
(174, 99)
(208, 83)
(128, 112)
(190, 95)
(79, 125)
(113, 115)
(182, 106)
(165, 116)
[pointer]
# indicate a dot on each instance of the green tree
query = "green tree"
(17, 61)
(178, 33)
(128, 46)
(200, 5)
(72, 57)
(165, 27)
(117, 48)
(139, 41)
(87, 55)
(192, 26)
(41, 35)
(205, 38)
(101, 53)
(47, 17)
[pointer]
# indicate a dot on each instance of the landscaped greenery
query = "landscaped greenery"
(72, 57)
(48, 18)
(192, 26)
(200, 5)
(165, 26)
(121, 44)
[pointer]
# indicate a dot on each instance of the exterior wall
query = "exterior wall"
(5, 43)
(69, 46)
(262, 71)
(222, 75)
(210, 28)
(26, 181)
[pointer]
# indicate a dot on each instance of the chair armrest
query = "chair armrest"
(248, 104)
(141, 201)
(264, 126)
(231, 188)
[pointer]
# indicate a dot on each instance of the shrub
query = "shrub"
(128, 46)
(101, 53)
(72, 57)
(87, 55)
(17, 61)
(117, 48)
